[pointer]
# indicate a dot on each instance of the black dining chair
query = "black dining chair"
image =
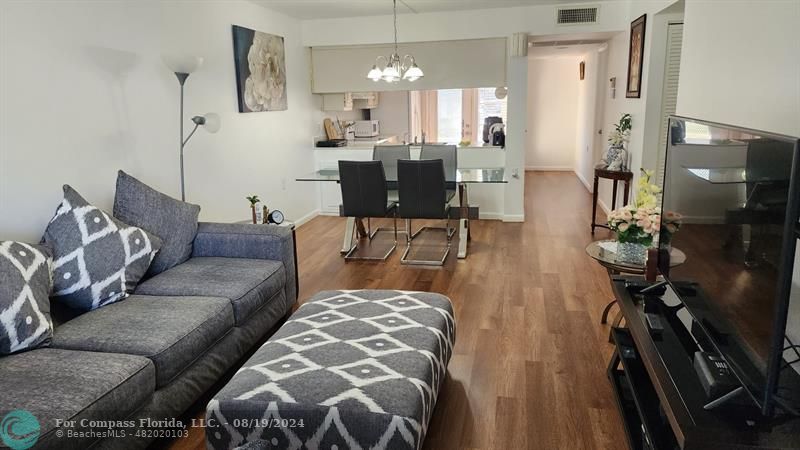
(449, 156)
(389, 155)
(423, 195)
(364, 195)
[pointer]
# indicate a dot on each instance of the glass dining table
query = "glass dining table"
(464, 212)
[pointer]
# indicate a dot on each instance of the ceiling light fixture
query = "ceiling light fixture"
(395, 68)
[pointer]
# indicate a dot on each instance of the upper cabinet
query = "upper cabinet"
(337, 102)
(456, 64)
(365, 100)
(349, 101)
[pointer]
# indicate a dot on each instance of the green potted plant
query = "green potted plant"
(254, 200)
(616, 157)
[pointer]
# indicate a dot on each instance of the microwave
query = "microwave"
(367, 128)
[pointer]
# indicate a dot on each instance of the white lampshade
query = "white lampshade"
(391, 74)
(182, 63)
(374, 73)
(413, 73)
(213, 122)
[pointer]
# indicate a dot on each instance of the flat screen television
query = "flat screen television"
(730, 203)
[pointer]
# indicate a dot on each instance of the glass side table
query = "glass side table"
(604, 252)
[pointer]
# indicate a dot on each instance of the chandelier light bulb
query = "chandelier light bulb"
(395, 68)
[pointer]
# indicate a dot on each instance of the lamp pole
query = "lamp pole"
(182, 80)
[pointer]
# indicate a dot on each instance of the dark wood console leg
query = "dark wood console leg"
(614, 196)
(607, 310)
(626, 193)
(594, 202)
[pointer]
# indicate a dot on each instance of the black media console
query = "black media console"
(660, 396)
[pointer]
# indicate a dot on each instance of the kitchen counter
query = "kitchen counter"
(489, 197)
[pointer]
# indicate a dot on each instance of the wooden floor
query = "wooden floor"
(528, 369)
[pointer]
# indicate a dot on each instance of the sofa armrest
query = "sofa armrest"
(235, 240)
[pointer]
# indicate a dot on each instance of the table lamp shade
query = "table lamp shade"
(213, 122)
(182, 63)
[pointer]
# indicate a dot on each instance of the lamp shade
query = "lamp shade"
(374, 73)
(182, 63)
(413, 73)
(391, 74)
(213, 122)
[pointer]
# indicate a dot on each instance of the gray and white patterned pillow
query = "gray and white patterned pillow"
(25, 283)
(98, 259)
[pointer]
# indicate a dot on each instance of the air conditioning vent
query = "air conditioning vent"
(567, 16)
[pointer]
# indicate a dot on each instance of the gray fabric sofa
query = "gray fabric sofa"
(154, 354)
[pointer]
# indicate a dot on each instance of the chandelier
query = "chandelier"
(395, 68)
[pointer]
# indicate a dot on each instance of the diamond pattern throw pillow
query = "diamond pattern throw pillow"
(98, 259)
(25, 283)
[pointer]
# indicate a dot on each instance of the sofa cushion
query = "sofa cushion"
(68, 385)
(171, 331)
(98, 260)
(248, 283)
(174, 221)
(25, 284)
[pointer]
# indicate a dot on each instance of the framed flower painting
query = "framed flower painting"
(260, 61)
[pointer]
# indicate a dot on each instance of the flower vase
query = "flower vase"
(617, 157)
(632, 253)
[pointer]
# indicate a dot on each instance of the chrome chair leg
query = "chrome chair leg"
(423, 262)
(349, 255)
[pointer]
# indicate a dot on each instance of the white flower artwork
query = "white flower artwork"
(260, 70)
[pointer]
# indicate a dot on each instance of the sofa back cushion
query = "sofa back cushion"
(97, 259)
(174, 221)
(25, 284)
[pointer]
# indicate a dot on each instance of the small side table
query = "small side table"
(616, 176)
(602, 252)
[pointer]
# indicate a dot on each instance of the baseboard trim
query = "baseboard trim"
(549, 168)
(585, 183)
(603, 206)
(491, 215)
(305, 219)
(514, 218)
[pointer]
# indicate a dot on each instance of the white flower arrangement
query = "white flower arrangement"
(640, 221)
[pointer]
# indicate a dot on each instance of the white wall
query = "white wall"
(750, 79)
(393, 113)
(463, 24)
(639, 146)
(741, 64)
(84, 93)
(591, 104)
(619, 105)
(552, 112)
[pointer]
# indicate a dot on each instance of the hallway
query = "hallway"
(530, 358)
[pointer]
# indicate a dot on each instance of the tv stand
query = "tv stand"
(660, 398)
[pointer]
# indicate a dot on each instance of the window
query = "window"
(450, 121)
(454, 115)
(489, 105)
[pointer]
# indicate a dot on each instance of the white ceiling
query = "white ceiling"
(325, 9)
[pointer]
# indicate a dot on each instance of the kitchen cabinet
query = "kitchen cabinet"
(337, 102)
(365, 100)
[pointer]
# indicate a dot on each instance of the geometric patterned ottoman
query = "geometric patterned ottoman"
(349, 370)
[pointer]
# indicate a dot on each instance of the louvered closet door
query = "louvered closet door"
(670, 94)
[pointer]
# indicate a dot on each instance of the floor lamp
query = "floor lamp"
(183, 66)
